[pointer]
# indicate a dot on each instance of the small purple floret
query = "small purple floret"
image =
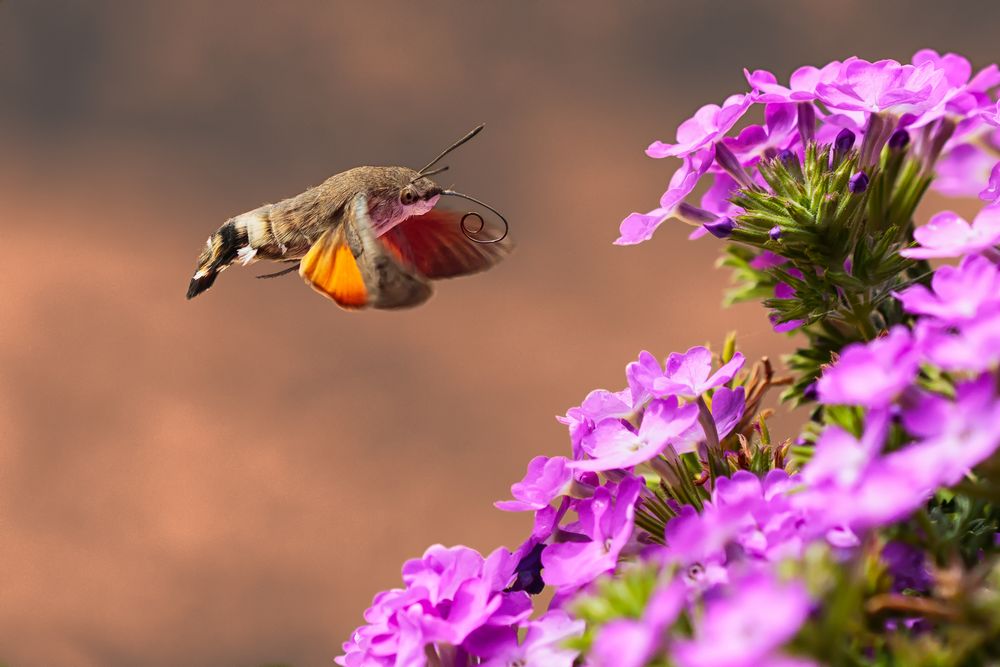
(871, 374)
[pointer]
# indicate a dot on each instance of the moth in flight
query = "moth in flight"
(368, 237)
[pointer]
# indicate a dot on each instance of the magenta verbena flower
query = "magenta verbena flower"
(841, 459)
(544, 643)
(727, 410)
(613, 445)
(936, 97)
(957, 294)
(450, 594)
(885, 85)
(973, 346)
(639, 227)
(633, 642)
(747, 519)
(992, 191)
(965, 171)
(598, 405)
(778, 133)
(871, 374)
(767, 260)
(949, 235)
(954, 435)
(802, 84)
(747, 626)
(710, 123)
(850, 486)
(546, 479)
(602, 530)
(688, 374)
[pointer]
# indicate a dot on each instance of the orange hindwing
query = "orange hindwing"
(330, 268)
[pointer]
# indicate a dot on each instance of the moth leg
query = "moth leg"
(283, 272)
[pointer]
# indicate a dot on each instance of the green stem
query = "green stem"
(861, 317)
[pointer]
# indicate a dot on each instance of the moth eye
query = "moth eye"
(407, 197)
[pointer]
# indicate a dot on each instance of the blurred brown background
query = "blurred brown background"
(229, 481)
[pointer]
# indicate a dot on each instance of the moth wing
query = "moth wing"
(331, 269)
(352, 267)
(434, 244)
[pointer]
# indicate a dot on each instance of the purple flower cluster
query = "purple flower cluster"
(454, 605)
(933, 108)
(459, 606)
(957, 330)
(675, 531)
(950, 117)
(748, 522)
(464, 609)
(614, 434)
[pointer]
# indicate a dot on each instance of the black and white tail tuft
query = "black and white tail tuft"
(220, 251)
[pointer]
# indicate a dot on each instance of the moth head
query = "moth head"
(419, 189)
(422, 193)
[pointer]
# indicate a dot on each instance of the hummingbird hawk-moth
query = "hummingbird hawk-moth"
(366, 237)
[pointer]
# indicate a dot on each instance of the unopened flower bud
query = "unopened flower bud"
(858, 183)
(841, 146)
(721, 228)
(844, 141)
(899, 140)
(774, 233)
(810, 392)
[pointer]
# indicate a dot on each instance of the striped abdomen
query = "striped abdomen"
(246, 238)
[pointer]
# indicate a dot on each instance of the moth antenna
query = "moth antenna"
(431, 173)
(470, 234)
(451, 148)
